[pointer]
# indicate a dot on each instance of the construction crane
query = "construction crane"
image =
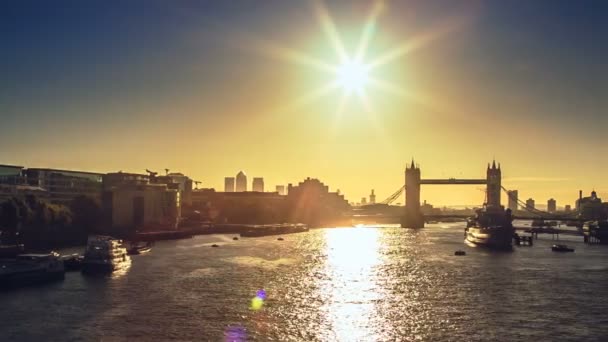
(151, 173)
(196, 183)
(166, 171)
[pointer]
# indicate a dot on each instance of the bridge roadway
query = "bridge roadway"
(453, 181)
(460, 216)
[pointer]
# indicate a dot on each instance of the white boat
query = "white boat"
(492, 228)
(28, 269)
(104, 254)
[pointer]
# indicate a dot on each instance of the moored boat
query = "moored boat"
(104, 254)
(492, 228)
(139, 249)
(29, 269)
(72, 262)
(596, 231)
(11, 251)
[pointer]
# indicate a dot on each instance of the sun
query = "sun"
(352, 76)
(352, 71)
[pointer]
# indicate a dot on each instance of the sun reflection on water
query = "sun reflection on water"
(350, 283)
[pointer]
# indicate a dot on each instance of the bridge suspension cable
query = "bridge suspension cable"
(534, 211)
(394, 196)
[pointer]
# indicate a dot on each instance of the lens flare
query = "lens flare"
(235, 333)
(258, 301)
(261, 294)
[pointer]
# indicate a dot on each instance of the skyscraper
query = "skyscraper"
(241, 182)
(530, 204)
(229, 184)
(257, 184)
(513, 199)
(372, 197)
(551, 206)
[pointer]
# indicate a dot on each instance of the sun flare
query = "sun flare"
(354, 72)
(352, 76)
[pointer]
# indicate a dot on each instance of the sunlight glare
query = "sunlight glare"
(352, 76)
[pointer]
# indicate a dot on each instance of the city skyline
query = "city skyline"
(229, 185)
(180, 87)
(303, 170)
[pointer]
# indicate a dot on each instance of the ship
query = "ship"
(104, 254)
(492, 227)
(31, 269)
(596, 231)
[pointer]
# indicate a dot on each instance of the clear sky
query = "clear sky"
(209, 88)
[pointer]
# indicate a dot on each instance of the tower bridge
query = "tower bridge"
(413, 218)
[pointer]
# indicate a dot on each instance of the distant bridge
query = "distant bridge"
(439, 217)
(411, 215)
(453, 181)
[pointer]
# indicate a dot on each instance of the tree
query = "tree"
(86, 213)
(9, 220)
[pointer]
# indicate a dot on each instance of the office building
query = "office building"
(65, 185)
(567, 208)
(120, 178)
(257, 184)
(513, 199)
(11, 174)
(150, 207)
(229, 184)
(372, 198)
(551, 205)
(241, 182)
(8, 191)
(530, 204)
(136, 202)
(363, 201)
(178, 181)
(591, 208)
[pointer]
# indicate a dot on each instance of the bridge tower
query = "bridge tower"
(412, 217)
(493, 188)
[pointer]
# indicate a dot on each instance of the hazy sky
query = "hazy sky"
(209, 88)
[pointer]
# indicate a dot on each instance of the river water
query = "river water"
(337, 284)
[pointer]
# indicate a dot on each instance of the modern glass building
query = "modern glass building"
(11, 174)
(65, 185)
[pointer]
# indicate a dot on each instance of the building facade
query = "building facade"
(11, 174)
(312, 203)
(64, 185)
(131, 203)
(592, 208)
(177, 181)
(241, 182)
(551, 205)
(229, 184)
(530, 204)
(8, 191)
(257, 184)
